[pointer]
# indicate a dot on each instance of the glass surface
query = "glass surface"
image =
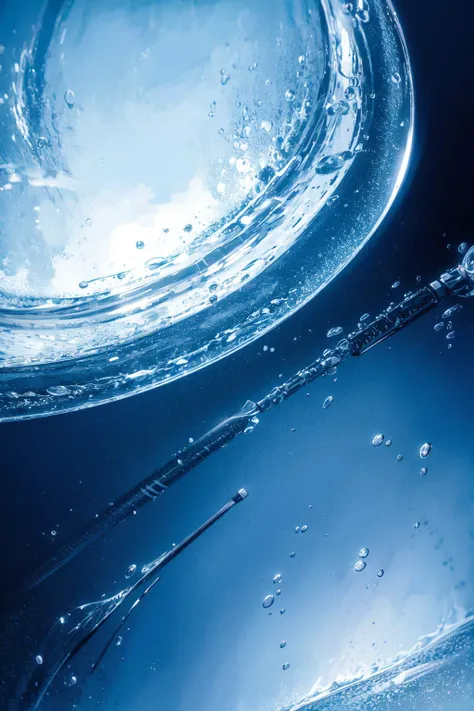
(178, 177)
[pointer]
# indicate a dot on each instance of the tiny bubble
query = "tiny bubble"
(69, 98)
(268, 601)
(425, 450)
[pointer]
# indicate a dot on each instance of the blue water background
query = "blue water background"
(202, 639)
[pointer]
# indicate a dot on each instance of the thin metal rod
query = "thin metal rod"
(95, 614)
(396, 317)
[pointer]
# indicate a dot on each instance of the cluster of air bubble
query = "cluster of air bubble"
(249, 114)
(262, 141)
(277, 580)
(445, 325)
(425, 450)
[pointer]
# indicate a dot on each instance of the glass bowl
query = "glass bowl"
(178, 178)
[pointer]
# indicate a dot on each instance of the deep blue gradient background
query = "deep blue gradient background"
(202, 639)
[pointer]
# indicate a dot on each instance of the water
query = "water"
(175, 160)
(432, 675)
(203, 626)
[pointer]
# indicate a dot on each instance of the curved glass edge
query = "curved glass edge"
(29, 391)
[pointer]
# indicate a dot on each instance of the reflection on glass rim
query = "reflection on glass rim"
(166, 204)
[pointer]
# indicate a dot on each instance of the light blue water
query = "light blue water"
(436, 674)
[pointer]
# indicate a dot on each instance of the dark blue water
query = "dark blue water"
(201, 638)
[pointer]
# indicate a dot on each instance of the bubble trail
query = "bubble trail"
(458, 281)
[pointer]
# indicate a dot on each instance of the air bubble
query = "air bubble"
(439, 326)
(423, 471)
(360, 565)
(327, 403)
(350, 93)
(290, 95)
(335, 331)
(363, 11)
(333, 163)
(452, 310)
(380, 573)
(224, 77)
(395, 285)
(462, 248)
(363, 553)
(362, 16)
(396, 78)
(267, 126)
(282, 644)
(377, 440)
(341, 108)
(268, 601)
(304, 528)
(69, 98)
(277, 579)
(399, 457)
(425, 450)
(140, 244)
(57, 390)
(39, 659)
(131, 570)
(118, 641)
(155, 263)
(388, 443)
